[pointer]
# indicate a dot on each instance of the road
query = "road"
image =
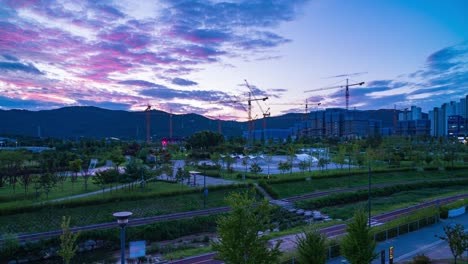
(205, 259)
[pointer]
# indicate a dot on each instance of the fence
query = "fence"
(334, 250)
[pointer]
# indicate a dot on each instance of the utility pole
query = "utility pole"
(148, 123)
(170, 127)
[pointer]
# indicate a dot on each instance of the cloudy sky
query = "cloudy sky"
(192, 56)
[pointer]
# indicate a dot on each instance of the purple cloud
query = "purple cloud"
(9, 57)
(183, 82)
(138, 83)
(162, 92)
(16, 66)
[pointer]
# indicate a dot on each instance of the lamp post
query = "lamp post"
(122, 220)
(369, 194)
(205, 191)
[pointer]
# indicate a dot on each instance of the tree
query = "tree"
(85, 174)
(291, 155)
(104, 177)
(25, 180)
(205, 140)
(46, 182)
(284, 166)
(322, 163)
(303, 165)
(268, 159)
(457, 239)
(10, 246)
(245, 163)
(179, 175)
(134, 171)
(216, 159)
(75, 167)
(312, 247)
(340, 156)
(239, 239)
(358, 245)
(229, 160)
(10, 164)
(68, 239)
(255, 168)
(116, 157)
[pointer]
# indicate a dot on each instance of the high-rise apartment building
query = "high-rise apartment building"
(450, 119)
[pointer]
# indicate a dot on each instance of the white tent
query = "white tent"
(306, 157)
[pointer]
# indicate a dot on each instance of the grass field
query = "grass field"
(396, 201)
(8, 194)
(48, 218)
(152, 187)
(289, 189)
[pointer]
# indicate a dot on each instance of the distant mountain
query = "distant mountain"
(93, 122)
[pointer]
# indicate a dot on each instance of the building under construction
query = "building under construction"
(335, 122)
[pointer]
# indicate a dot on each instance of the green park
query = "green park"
(352, 179)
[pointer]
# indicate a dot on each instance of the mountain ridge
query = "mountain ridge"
(93, 122)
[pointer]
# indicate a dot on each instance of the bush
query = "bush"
(352, 197)
(421, 259)
(269, 189)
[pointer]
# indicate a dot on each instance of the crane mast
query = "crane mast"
(339, 86)
(264, 113)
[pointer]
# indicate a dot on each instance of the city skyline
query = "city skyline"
(184, 56)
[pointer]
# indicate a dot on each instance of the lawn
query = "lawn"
(289, 189)
(8, 194)
(9, 198)
(48, 218)
(393, 202)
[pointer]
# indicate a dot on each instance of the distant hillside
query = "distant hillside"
(93, 122)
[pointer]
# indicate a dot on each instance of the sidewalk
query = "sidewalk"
(420, 242)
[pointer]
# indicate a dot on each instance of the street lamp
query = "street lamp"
(369, 194)
(122, 220)
(205, 191)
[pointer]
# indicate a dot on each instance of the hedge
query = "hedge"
(361, 195)
(100, 200)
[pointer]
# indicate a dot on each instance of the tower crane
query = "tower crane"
(239, 101)
(339, 86)
(306, 113)
(306, 104)
(264, 113)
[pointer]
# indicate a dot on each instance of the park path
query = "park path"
(265, 193)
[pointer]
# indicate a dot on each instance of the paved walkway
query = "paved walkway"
(420, 242)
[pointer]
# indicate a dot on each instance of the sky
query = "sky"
(205, 57)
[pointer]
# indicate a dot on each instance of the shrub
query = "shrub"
(421, 259)
(269, 189)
